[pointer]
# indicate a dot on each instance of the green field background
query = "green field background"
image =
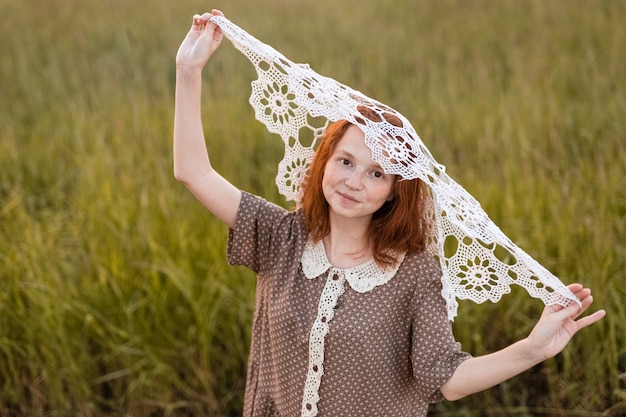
(115, 296)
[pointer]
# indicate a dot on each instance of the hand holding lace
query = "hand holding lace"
(550, 335)
(558, 324)
(201, 41)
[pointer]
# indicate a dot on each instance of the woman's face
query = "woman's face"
(354, 185)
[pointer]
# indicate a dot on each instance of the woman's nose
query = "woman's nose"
(354, 181)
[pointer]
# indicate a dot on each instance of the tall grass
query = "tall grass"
(115, 297)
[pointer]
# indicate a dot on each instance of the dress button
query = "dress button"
(335, 277)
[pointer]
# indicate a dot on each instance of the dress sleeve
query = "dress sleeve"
(254, 242)
(435, 353)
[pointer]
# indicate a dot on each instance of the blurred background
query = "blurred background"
(115, 296)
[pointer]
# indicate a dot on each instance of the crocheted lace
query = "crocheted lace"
(361, 278)
(479, 262)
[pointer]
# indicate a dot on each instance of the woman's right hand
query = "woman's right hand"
(201, 42)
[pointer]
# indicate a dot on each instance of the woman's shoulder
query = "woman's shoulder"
(264, 233)
(422, 266)
(421, 259)
(254, 204)
(268, 214)
(422, 272)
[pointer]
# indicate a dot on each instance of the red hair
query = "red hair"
(399, 225)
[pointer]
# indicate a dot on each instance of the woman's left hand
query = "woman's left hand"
(558, 324)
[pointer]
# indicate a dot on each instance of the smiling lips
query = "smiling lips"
(348, 198)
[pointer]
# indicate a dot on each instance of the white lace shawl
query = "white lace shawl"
(478, 261)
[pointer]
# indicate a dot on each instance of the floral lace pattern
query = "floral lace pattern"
(362, 278)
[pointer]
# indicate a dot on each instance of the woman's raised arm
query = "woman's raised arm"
(192, 166)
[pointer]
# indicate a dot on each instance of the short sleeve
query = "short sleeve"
(435, 353)
(258, 235)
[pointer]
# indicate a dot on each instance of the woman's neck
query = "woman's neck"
(347, 244)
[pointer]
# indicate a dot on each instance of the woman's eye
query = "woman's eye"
(345, 161)
(378, 174)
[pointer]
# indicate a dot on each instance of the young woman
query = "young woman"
(349, 318)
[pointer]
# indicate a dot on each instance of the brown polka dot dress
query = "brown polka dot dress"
(338, 342)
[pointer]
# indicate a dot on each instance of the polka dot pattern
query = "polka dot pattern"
(386, 352)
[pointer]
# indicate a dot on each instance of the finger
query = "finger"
(214, 31)
(582, 292)
(199, 21)
(195, 22)
(576, 311)
(585, 298)
(590, 319)
(562, 314)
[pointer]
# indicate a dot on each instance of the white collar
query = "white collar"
(362, 278)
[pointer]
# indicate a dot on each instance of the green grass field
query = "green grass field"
(115, 296)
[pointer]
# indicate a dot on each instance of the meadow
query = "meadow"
(115, 295)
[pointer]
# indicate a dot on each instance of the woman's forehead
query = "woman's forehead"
(353, 144)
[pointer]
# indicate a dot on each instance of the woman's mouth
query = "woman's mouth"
(348, 197)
